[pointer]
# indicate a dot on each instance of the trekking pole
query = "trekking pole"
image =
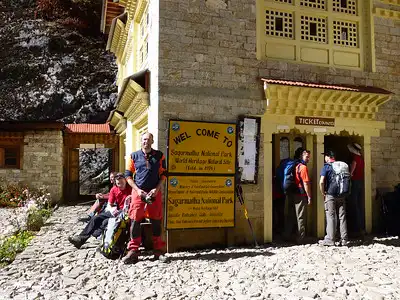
(239, 193)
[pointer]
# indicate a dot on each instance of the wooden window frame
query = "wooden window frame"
(15, 147)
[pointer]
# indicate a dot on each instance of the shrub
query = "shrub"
(13, 245)
(20, 195)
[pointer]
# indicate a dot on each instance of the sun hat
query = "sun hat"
(354, 148)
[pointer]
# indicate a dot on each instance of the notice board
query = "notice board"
(200, 201)
(248, 148)
(201, 162)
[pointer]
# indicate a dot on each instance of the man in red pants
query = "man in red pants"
(147, 166)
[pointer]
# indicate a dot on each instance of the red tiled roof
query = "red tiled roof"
(88, 128)
(351, 88)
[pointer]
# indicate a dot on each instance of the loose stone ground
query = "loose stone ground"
(51, 268)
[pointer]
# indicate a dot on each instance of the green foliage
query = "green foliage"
(14, 245)
(37, 218)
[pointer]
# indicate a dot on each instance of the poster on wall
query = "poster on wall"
(200, 202)
(201, 147)
(248, 148)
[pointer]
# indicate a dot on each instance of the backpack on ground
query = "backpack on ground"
(340, 181)
(116, 235)
(286, 175)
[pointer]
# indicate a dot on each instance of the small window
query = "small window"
(313, 29)
(10, 157)
(284, 151)
(279, 24)
(298, 143)
(343, 3)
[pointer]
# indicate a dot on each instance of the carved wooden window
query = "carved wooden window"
(319, 4)
(279, 23)
(313, 29)
(10, 157)
(298, 143)
(345, 6)
(345, 33)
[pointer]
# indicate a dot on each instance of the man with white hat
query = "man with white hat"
(357, 187)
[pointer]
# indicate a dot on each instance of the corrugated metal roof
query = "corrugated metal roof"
(88, 128)
(351, 88)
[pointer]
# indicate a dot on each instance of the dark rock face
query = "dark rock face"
(51, 72)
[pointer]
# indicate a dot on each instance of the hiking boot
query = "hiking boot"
(132, 257)
(85, 219)
(161, 257)
(345, 243)
(76, 240)
(326, 243)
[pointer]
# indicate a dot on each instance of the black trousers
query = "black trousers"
(96, 225)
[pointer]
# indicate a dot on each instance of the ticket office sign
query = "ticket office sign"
(201, 148)
(200, 202)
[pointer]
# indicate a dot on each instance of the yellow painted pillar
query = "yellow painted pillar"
(310, 215)
(367, 184)
(319, 199)
(268, 165)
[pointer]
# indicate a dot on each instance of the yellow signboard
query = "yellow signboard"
(201, 148)
(200, 202)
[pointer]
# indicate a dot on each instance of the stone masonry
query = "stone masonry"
(209, 71)
(42, 162)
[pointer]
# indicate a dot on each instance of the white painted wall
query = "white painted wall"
(153, 61)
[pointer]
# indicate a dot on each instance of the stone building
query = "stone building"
(32, 152)
(282, 60)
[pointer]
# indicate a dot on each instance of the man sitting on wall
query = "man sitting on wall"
(116, 201)
(101, 202)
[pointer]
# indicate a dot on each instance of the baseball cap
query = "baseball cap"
(329, 153)
(119, 176)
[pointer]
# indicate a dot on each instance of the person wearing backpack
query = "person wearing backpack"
(334, 185)
(115, 204)
(299, 195)
(146, 175)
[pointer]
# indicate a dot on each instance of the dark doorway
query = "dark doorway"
(94, 171)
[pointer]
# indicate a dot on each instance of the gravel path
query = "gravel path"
(8, 217)
(51, 268)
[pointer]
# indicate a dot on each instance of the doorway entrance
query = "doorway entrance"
(283, 146)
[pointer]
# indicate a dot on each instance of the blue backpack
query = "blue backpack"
(286, 175)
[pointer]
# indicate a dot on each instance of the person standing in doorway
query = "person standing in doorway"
(357, 188)
(333, 204)
(298, 200)
(146, 174)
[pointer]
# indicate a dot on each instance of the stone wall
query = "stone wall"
(209, 71)
(42, 163)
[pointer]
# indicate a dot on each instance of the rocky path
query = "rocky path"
(50, 268)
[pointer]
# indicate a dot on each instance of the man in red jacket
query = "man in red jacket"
(147, 166)
(116, 201)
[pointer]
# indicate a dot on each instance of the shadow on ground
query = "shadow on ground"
(223, 255)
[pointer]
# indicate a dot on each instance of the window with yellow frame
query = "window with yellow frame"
(143, 44)
(323, 32)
